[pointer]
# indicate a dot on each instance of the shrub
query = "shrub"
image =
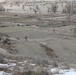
(32, 73)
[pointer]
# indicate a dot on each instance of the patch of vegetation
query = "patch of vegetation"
(32, 73)
(50, 52)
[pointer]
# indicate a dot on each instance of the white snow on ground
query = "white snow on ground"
(4, 73)
(4, 65)
(56, 71)
(67, 72)
(7, 65)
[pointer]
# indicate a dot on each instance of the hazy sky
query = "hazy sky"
(37, 0)
(2, 0)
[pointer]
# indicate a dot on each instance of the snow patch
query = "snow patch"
(67, 72)
(56, 71)
(4, 73)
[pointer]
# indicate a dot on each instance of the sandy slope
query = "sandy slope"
(64, 44)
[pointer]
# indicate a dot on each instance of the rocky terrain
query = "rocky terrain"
(33, 45)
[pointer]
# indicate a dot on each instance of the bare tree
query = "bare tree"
(69, 11)
(54, 9)
(68, 7)
(2, 9)
(36, 9)
(23, 6)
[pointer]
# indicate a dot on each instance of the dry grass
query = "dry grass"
(32, 73)
(50, 52)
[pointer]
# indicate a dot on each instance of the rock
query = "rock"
(64, 66)
(3, 52)
(2, 59)
(3, 38)
(13, 38)
(38, 68)
(55, 70)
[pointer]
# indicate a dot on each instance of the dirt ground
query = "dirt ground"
(57, 38)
